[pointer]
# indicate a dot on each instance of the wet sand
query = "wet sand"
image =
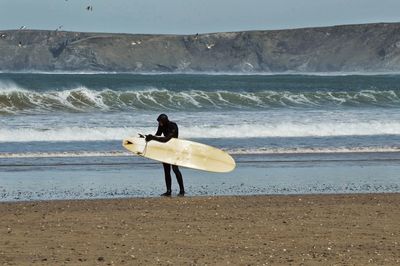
(291, 230)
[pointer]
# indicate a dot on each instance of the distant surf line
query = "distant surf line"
(238, 161)
(230, 151)
(207, 73)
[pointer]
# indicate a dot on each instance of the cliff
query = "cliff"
(366, 47)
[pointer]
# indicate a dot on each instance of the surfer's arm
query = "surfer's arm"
(159, 131)
(166, 138)
(173, 133)
(163, 139)
(157, 135)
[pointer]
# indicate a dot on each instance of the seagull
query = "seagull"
(59, 28)
(89, 8)
(209, 46)
(22, 27)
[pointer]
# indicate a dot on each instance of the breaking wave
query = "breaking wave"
(14, 100)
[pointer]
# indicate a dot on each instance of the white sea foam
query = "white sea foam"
(314, 150)
(66, 154)
(67, 134)
(223, 131)
(295, 130)
(190, 72)
(243, 151)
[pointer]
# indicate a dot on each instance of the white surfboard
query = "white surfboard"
(183, 153)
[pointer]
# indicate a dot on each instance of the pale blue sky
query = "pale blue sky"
(191, 16)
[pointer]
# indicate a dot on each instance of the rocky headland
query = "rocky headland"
(348, 48)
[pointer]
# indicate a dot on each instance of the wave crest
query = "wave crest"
(82, 99)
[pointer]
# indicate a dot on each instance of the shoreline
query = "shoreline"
(268, 229)
(188, 196)
(133, 177)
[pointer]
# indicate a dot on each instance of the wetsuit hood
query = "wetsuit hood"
(163, 118)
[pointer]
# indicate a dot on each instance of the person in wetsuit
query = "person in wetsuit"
(170, 130)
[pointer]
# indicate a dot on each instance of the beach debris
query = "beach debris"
(89, 8)
(100, 258)
(22, 27)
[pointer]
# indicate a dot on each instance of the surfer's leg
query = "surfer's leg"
(179, 179)
(167, 173)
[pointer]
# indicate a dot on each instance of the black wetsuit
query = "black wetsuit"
(170, 130)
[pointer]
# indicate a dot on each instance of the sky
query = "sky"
(191, 16)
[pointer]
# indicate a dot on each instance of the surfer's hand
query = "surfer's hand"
(149, 137)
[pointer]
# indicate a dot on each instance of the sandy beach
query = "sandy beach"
(356, 229)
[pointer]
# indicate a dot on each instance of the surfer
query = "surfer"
(170, 130)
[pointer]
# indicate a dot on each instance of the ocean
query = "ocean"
(61, 133)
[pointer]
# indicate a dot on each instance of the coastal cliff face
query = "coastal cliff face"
(359, 48)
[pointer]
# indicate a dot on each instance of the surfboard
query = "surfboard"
(182, 153)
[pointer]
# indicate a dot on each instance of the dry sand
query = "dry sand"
(250, 230)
